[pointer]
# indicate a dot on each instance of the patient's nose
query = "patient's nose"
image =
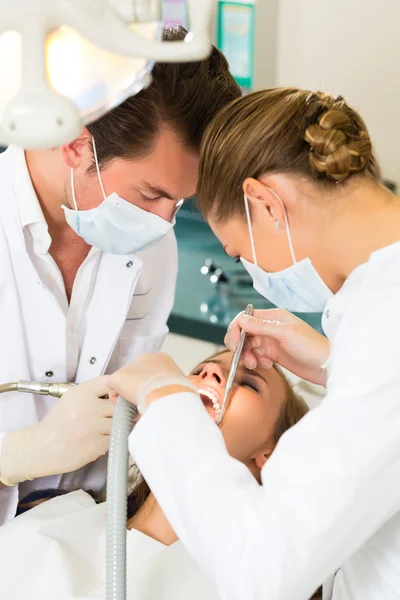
(213, 373)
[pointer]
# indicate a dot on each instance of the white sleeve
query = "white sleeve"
(330, 484)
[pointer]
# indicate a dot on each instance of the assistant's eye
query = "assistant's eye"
(250, 384)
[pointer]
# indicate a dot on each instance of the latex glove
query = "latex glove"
(148, 378)
(74, 433)
(277, 336)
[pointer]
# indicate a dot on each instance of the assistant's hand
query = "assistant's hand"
(277, 336)
(74, 433)
(148, 378)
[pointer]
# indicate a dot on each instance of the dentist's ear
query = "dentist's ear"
(78, 151)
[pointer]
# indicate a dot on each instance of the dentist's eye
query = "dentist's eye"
(249, 384)
(149, 199)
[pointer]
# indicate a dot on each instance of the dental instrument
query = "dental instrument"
(36, 387)
(234, 366)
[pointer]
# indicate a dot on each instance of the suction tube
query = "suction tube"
(117, 481)
(117, 486)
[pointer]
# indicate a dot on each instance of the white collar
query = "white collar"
(29, 210)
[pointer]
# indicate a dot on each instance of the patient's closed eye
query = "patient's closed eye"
(250, 384)
(244, 382)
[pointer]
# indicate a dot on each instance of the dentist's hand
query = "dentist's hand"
(277, 336)
(74, 433)
(148, 378)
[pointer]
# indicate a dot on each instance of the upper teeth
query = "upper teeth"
(213, 397)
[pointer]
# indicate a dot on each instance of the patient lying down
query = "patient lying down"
(57, 549)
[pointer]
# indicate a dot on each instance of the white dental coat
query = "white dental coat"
(56, 551)
(330, 500)
(119, 308)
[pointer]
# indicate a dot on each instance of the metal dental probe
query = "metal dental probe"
(234, 365)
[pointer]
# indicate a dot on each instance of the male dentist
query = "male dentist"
(88, 268)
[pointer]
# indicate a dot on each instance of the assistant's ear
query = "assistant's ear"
(78, 152)
(264, 202)
(261, 458)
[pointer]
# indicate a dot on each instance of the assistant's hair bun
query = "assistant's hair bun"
(339, 145)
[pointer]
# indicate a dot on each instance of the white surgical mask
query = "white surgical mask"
(116, 226)
(299, 288)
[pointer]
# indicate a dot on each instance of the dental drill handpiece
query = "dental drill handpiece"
(37, 387)
(234, 365)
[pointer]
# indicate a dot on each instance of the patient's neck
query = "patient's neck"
(151, 521)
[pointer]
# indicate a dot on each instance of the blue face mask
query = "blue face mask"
(299, 288)
(116, 226)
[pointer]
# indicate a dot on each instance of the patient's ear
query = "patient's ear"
(261, 457)
(258, 460)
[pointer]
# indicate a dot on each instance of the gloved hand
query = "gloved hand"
(75, 432)
(277, 336)
(148, 378)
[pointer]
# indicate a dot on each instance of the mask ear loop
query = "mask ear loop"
(253, 248)
(98, 175)
(177, 208)
(78, 228)
(97, 168)
(73, 190)
(289, 236)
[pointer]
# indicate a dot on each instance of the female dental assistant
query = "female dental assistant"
(289, 183)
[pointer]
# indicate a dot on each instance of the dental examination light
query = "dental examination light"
(65, 63)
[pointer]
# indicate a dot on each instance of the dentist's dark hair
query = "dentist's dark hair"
(184, 96)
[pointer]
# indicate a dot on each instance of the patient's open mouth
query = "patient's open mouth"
(211, 400)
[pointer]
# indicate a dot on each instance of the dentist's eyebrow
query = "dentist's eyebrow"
(249, 372)
(157, 191)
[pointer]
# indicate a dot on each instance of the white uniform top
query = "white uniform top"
(57, 551)
(119, 308)
(330, 500)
